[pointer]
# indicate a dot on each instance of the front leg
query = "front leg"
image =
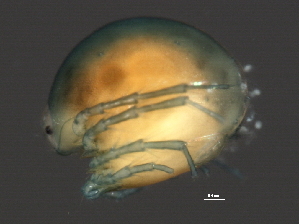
(80, 120)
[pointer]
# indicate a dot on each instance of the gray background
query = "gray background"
(39, 186)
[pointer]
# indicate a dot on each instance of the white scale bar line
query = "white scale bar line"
(218, 199)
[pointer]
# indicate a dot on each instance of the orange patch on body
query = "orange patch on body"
(138, 65)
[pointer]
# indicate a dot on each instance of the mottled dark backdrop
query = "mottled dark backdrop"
(38, 186)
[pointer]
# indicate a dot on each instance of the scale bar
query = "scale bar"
(218, 199)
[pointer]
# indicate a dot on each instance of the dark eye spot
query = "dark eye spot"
(48, 130)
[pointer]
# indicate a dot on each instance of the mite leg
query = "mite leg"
(113, 153)
(80, 120)
(79, 127)
(140, 146)
(99, 184)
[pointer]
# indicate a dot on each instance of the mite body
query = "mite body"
(147, 99)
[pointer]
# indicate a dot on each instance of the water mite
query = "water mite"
(146, 99)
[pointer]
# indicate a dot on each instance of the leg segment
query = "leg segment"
(79, 127)
(99, 185)
(140, 146)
